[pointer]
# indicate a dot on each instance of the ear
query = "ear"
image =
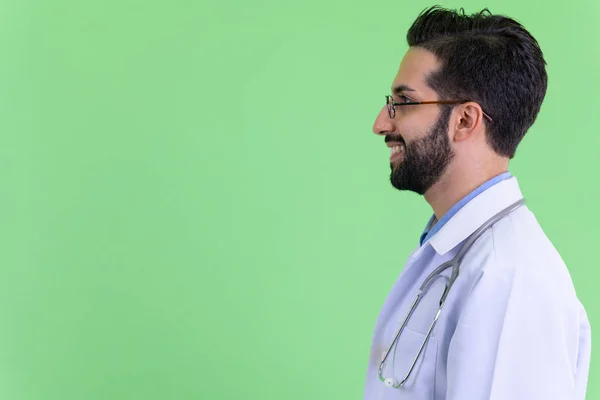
(468, 121)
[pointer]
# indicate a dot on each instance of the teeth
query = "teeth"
(397, 149)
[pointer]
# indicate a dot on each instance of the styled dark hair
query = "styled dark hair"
(490, 59)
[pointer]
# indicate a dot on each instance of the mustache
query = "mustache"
(395, 138)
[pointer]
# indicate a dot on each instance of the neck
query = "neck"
(456, 183)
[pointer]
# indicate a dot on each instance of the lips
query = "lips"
(397, 149)
(396, 153)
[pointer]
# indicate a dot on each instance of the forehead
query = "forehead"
(416, 65)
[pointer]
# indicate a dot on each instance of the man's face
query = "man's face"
(418, 135)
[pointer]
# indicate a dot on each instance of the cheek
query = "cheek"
(417, 123)
(411, 131)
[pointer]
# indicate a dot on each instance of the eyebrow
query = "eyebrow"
(402, 88)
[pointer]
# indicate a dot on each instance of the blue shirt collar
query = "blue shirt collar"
(433, 227)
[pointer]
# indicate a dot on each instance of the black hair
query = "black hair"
(489, 59)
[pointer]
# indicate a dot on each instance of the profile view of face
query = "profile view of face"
(417, 136)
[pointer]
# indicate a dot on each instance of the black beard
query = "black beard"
(425, 159)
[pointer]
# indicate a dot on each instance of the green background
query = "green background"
(194, 206)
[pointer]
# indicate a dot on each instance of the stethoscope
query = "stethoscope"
(454, 263)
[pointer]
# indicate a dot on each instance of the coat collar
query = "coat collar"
(473, 214)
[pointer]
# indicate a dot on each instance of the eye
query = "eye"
(404, 99)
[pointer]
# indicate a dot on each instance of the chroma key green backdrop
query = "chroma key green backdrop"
(193, 204)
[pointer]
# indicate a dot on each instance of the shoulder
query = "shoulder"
(516, 252)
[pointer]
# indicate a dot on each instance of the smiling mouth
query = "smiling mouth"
(397, 153)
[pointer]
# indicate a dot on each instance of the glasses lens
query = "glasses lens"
(390, 107)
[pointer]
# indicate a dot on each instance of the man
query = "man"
(511, 326)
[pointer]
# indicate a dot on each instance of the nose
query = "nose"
(383, 123)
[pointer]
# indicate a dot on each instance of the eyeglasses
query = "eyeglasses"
(391, 106)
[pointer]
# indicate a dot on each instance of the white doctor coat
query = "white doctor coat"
(512, 327)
